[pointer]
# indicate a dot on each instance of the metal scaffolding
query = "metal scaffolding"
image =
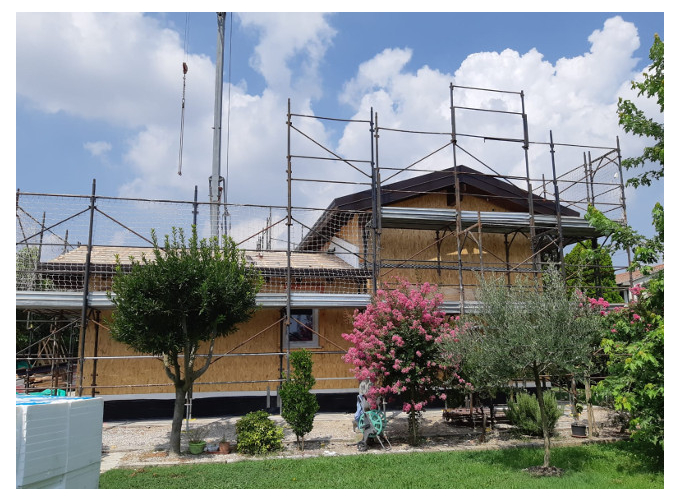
(325, 257)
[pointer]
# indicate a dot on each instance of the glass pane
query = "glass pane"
(301, 332)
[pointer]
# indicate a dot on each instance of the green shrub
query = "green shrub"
(298, 405)
(526, 415)
(257, 434)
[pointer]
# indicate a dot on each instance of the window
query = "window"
(304, 323)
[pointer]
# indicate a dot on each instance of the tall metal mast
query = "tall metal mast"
(214, 183)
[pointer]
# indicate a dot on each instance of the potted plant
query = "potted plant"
(577, 429)
(196, 440)
(224, 446)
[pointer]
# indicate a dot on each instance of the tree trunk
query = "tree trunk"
(592, 428)
(544, 417)
(482, 438)
(472, 411)
(574, 412)
(177, 417)
(413, 427)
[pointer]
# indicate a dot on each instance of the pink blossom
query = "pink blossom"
(380, 353)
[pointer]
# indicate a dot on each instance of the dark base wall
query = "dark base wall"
(210, 407)
(121, 410)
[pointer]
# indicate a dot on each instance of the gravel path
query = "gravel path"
(136, 444)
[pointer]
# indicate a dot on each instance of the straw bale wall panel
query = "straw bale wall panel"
(352, 232)
(405, 246)
(227, 373)
(311, 283)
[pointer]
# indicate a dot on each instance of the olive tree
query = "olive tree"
(532, 328)
(178, 302)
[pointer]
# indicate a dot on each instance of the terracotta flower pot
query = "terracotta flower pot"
(225, 448)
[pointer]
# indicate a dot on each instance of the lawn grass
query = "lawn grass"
(596, 466)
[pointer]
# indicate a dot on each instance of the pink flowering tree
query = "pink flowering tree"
(634, 346)
(395, 347)
(590, 315)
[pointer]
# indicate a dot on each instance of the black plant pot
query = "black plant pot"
(579, 430)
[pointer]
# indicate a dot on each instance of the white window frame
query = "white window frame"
(314, 343)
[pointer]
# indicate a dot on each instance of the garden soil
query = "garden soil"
(139, 444)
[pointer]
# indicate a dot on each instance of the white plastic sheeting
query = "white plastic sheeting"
(59, 442)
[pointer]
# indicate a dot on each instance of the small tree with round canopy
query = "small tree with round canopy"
(188, 295)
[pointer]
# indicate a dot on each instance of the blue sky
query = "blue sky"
(98, 95)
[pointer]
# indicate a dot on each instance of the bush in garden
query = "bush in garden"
(298, 405)
(257, 434)
(634, 345)
(394, 345)
(526, 415)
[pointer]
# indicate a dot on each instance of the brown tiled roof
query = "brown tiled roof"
(104, 255)
(623, 277)
(311, 260)
(260, 259)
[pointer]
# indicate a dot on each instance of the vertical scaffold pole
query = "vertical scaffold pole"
(459, 224)
(86, 290)
(530, 193)
(558, 210)
(95, 353)
(623, 206)
(593, 241)
(42, 235)
(589, 200)
(591, 179)
(289, 224)
(375, 208)
(195, 211)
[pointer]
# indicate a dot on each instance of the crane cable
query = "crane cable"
(185, 69)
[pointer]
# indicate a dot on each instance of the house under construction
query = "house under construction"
(439, 219)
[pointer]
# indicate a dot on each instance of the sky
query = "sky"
(98, 96)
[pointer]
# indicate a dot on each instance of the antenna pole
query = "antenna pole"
(214, 184)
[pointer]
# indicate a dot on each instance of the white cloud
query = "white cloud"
(284, 37)
(125, 70)
(376, 73)
(575, 97)
(113, 67)
(97, 148)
